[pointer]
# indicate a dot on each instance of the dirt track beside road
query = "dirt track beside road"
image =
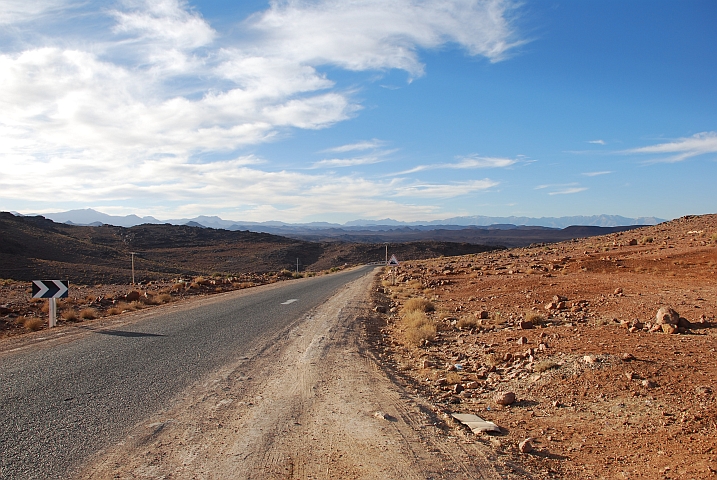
(316, 404)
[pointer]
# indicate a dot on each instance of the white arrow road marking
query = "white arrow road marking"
(62, 288)
(290, 301)
(43, 288)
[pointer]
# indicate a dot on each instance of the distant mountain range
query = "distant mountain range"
(93, 218)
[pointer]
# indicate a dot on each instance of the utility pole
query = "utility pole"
(297, 265)
(387, 254)
(133, 254)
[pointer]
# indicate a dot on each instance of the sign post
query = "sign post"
(52, 290)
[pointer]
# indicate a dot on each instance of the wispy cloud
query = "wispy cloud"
(467, 162)
(352, 147)
(562, 189)
(680, 149)
(428, 190)
(347, 162)
(597, 142)
(597, 174)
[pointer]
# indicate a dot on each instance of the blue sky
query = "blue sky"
(334, 111)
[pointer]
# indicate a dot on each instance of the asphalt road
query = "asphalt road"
(61, 402)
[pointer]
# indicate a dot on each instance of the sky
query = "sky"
(330, 110)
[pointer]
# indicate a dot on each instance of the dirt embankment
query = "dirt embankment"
(601, 388)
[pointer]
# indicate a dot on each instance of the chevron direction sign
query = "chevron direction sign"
(50, 288)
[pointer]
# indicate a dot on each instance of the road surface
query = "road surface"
(84, 387)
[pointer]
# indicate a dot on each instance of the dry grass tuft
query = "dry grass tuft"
(418, 305)
(468, 323)
(453, 378)
(114, 311)
(69, 315)
(163, 298)
(646, 240)
(534, 317)
(33, 324)
(545, 365)
(419, 328)
(88, 314)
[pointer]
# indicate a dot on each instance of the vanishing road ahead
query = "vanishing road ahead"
(81, 388)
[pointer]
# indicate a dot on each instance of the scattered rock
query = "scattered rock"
(380, 309)
(667, 316)
(627, 357)
(522, 341)
(630, 375)
(703, 390)
(504, 398)
(559, 298)
(458, 388)
(132, 296)
(483, 315)
(668, 328)
(649, 383)
(590, 359)
(618, 291)
(526, 446)
(526, 325)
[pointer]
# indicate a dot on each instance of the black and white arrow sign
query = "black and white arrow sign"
(50, 288)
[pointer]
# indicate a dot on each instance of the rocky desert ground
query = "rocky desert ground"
(561, 346)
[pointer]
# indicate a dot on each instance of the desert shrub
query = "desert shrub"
(310, 274)
(418, 305)
(467, 322)
(646, 240)
(492, 360)
(200, 280)
(69, 315)
(297, 275)
(713, 238)
(178, 287)
(194, 285)
(137, 305)
(114, 311)
(415, 319)
(163, 298)
(415, 284)
(534, 317)
(417, 335)
(33, 324)
(88, 314)
(545, 365)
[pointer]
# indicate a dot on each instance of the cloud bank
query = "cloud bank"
(135, 110)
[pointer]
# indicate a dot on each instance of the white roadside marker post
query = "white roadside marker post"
(52, 302)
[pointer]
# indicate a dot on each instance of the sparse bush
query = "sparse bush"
(69, 315)
(418, 305)
(137, 305)
(114, 311)
(713, 238)
(415, 284)
(534, 317)
(88, 314)
(417, 335)
(178, 287)
(163, 298)
(415, 319)
(297, 275)
(467, 323)
(545, 365)
(33, 324)
(646, 240)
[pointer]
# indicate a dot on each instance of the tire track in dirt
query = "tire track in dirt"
(304, 407)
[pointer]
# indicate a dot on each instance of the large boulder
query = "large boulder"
(667, 316)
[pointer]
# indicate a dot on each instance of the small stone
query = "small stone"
(618, 291)
(630, 375)
(522, 341)
(561, 306)
(551, 306)
(380, 309)
(426, 364)
(703, 390)
(668, 328)
(590, 359)
(483, 315)
(559, 298)
(441, 382)
(458, 388)
(132, 296)
(504, 398)
(526, 446)
(526, 325)
(451, 367)
(627, 357)
(649, 383)
(472, 385)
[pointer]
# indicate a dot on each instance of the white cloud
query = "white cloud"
(352, 147)
(568, 191)
(125, 116)
(456, 189)
(680, 149)
(596, 174)
(597, 142)
(467, 162)
(562, 189)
